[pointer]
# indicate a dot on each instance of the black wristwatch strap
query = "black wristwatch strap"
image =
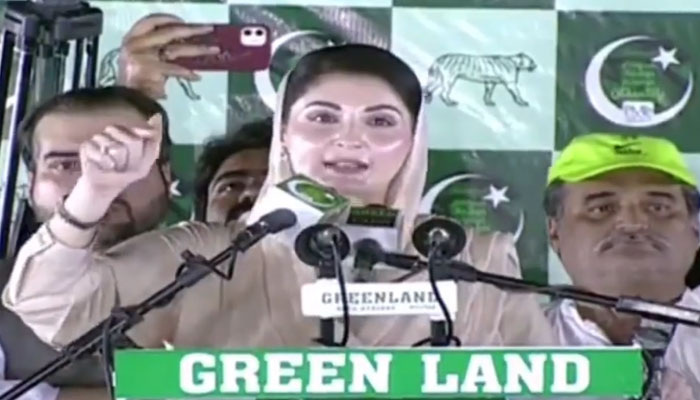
(66, 216)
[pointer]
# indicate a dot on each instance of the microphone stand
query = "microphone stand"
(326, 270)
(439, 335)
(194, 269)
(462, 271)
(654, 343)
(324, 246)
(629, 305)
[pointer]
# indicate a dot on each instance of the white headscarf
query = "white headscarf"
(405, 190)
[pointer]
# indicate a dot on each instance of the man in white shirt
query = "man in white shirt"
(623, 218)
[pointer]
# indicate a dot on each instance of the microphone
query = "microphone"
(369, 252)
(314, 245)
(377, 222)
(439, 239)
(269, 223)
(312, 203)
(325, 246)
(442, 235)
(272, 222)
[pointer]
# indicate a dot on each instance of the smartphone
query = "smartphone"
(244, 48)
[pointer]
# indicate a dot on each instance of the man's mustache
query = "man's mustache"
(240, 208)
(655, 240)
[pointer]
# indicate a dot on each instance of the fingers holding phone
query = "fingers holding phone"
(150, 47)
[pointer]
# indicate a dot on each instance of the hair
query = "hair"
(85, 100)
(253, 135)
(554, 199)
(358, 59)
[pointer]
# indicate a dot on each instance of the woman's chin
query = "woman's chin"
(352, 187)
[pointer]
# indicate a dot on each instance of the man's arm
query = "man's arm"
(52, 274)
(59, 286)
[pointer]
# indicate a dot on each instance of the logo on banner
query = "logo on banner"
(323, 299)
(310, 39)
(639, 81)
(477, 202)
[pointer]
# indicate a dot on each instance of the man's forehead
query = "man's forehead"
(245, 160)
(631, 178)
(67, 130)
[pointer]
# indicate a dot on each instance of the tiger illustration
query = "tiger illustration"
(490, 70)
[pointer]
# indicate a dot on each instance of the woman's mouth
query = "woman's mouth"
(346, 167)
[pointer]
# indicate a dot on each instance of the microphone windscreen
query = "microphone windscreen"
(311, 202)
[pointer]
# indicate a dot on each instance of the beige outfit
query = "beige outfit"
(61, 292)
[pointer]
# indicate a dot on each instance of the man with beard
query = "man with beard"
(52, 135)
(230, 172)
(623, 218)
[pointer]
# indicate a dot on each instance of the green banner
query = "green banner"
(379, 373)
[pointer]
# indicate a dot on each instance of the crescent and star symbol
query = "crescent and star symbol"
(495, 197)
(611, 111)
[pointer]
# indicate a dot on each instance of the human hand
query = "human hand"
(114, 159)
(150, 46)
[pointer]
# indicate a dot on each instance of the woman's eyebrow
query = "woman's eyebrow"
(379, 107)
(324, 103)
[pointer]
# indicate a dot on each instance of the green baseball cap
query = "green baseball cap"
(597, 153)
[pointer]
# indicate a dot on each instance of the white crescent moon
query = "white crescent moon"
(426, 203)
(262, 79)
(609, 110)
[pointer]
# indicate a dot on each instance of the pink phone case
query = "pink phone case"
(244, 48)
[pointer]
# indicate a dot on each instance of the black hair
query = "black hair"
(89, 100)
(356, 59)
(253, 135)
(554, 199)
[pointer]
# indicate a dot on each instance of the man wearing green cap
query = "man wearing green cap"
(623, 218)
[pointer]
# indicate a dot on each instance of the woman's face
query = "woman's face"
(350, 132)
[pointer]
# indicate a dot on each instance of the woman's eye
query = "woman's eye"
(323, 118)
(381, 121)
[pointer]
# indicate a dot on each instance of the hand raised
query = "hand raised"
(114, 159)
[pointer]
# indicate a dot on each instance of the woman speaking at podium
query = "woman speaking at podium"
(348, 117)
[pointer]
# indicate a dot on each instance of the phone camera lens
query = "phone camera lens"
(259, 32)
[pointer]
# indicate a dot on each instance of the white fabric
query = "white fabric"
(43, 391)
(682, 354)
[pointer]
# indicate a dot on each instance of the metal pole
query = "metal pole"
(12, 163)
(91, 64)
(77, 63)
(8, 40)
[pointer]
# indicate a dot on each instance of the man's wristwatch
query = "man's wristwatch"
(70, 219)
